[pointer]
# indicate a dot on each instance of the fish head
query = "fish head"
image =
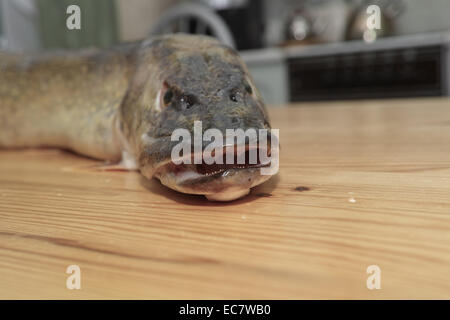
(201, 101)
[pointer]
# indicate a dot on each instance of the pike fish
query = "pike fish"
(122, 105)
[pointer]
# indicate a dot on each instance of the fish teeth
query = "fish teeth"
(213, 173)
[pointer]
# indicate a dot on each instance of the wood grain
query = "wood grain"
(360, 183)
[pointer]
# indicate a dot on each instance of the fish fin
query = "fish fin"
(127, 163)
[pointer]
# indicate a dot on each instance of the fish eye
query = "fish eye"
(168, 97)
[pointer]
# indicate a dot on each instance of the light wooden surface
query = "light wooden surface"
(361, 183)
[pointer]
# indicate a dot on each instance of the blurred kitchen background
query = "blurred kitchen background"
(296, 50)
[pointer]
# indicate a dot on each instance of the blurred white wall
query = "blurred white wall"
(424, 16)
(19, 25)
(136, 17)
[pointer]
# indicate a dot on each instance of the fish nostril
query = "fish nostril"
(234, 120)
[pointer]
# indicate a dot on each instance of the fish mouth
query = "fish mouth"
(240, 158)
(198, 173)
(217, 181)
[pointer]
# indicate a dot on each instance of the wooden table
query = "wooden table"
(360, 184)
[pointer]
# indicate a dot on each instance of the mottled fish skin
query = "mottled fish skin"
(105, 103)
(63, 99)
(192, 66)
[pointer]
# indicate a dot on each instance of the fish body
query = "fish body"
(124, 103)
